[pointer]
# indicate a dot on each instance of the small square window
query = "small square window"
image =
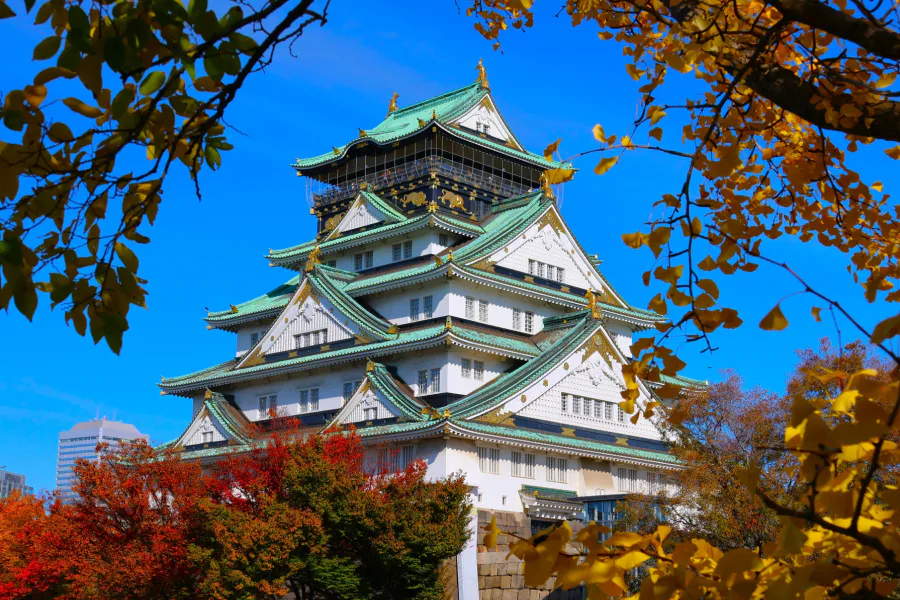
(479, 370)
(483, 311)
(517, 319)
(428, 306)
(466, 368)
(529, 322)
(369, 259)
(396, 251)
(413, 309)
(407, 249)
(443, 240)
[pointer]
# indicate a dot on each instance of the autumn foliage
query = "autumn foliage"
(305, 516)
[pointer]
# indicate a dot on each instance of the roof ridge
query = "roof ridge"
(368, 321)
(445, 95)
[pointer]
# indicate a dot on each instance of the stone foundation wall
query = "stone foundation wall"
(500, 578)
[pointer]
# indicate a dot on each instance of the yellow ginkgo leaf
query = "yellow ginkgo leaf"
(605, 165)
(775, 320)
(886, 79)
(815, 313)
(491, 533)
(549, 150)
(555, 176)
(599, 134)
(877, 186)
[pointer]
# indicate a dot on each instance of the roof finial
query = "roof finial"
(370, 365)
(434, 114)
(594, 304)
(448, 324)
(393, 105)
(313, 259)
(482, 74)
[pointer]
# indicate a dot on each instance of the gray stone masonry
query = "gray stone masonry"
(501, 578)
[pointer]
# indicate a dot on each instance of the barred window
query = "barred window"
(467, 368)
(443, 239)
(621, 414)
(576, 405)
(588, 405)
(564, 405)
(470, 307)
(550, 272)
(332, 263)
(369, 259)
(627, 480)
(517, 319)
(560, 275)
(267, 404)
(479, 370)
(313, 399)
(540, 269)
(254, 338)
(608, 411)
(428, 306)
(483, 311)
(396, 250)
(529, 322)
(414, 309)
(370, 414)
(395, 460)
(532, 267)
(407, 249)
(556, 469)
(349, 388)
(489, 460)
(523, 465)
(423, 382)
(434, 381)
(598, 409)
(358, 261)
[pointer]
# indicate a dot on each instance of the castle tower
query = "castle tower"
(446, 309)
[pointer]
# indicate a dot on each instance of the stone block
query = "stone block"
(524, 595)
(494, 569)
(510, 595)
(505, 582)
(480, 583)
(483, 569)
(492, 581)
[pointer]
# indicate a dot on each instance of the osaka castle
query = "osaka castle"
(447, 311)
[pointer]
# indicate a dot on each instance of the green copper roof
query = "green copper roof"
(295, 254)
(685, 381)
(336, 293)
(406, 121)
(275, 299)
(505, 386)
(383, 207)
(573, 442)
(384, 382)
(544, 493)
(505, 345)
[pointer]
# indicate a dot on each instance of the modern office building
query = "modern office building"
(10, 482)
(81, 442)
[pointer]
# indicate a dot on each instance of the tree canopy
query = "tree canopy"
(787, 91)
(310, 517)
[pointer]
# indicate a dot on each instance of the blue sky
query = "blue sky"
(553, 81)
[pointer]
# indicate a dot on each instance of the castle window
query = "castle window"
(621, 414)
(489, 460)
(479, 370)
(428, 306)
(523, 465)
(370, 414)
(207, 436)
(588, 404)
(349, 388)
(443, 240)
(407, 249)
(466, 368)
(267, 404)
(254, 338)
(540, 269)
(598, 409)
(550, 271)
(363, 259)
(309, 400)
(332, 263)
(396, 251)
(556, 469)
(369, 259)
(564, 405)
(483, 311)
(434, 381)
(470, 307)
(517, 319)
(358, 261)
(627, 480)
(395, 460)
(532, 267)
(608, 410)
(414, 309)
(529, 322)
(576, 405)
(560, 275)
(423, 382)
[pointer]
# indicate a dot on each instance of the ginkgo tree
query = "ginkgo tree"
(787, 92)
(130, 89)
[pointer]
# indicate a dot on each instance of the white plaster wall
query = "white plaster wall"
(501, 304)
(493, 367)
(546, 246)
(485, 114)
(393, 305)
(371, 400)
(622, 335)
(410, 364)
(329, 381)
(195, 436)
(243, 337)
(596, 380)
(312, 316)
(424, 242)
(360, 216)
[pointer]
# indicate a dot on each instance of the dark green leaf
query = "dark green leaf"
(213, 159)
(47, 48)
(13, 119)
(26, 300)
(122, 101)
(196, 10)
(70, 58)
(5, 11)
(11, 252)
(127, 257)
(244, 43)
(78, 20)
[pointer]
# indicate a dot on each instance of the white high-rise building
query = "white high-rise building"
(81, 442)
(11, 482)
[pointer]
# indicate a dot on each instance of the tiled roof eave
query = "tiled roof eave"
(489, 349)
(465, 430)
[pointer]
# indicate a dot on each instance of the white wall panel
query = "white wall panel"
(312, 316)
(549, 248)
(206, 425)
